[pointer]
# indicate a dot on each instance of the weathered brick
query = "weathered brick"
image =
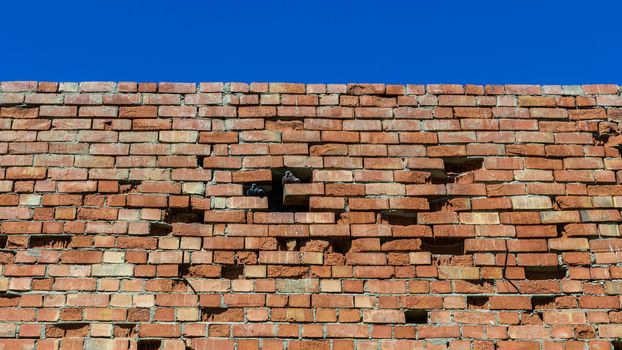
(136, 191)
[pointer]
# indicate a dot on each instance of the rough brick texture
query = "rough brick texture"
(427, 217)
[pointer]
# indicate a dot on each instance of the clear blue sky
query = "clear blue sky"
(432, 41)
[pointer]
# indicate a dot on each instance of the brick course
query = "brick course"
(428, 216)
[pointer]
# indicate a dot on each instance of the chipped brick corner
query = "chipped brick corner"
(458, 217)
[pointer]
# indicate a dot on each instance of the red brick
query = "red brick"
(108, 173)
(146, 201)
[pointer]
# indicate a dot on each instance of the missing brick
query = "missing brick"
(477, 302)
(52, 242)
(183, 269)
(183, 215)
(274, 191)
(608, 135)
(201, 159)
(606, 130)
(416, 316)
(456, 169)
(545, 273)
(340, 246)
(457, 165)
(232, 272)
(3, 240)
(399, 217)
(616, 344)
(160, 228)
(286, 243)
(443, 246)
(438, 204)
(600, 139)
(149, 344)
(542, 302)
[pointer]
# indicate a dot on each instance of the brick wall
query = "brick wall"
(427, 217)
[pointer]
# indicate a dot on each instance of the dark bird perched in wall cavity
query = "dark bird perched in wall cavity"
(255, 191)
(289, 178)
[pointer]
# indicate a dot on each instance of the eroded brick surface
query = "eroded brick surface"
(426, 217)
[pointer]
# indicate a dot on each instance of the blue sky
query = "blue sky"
(432, 41)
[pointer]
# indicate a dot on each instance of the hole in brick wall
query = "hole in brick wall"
(211, 313)
(266, 187)
(128, 186)
(399, 217)
(456, 165)
(185, 215)
(125, 330)
(160, 228)
(477, 302)
(439, 204)
(600, 139)
(288, 244)
(416, 316)
(341, 246)
(454, 168)
(545, 273)
(304, 174)
(605, 131)
(149, 344)
(274, 191)
(55, 242)
(438, 177)
(444, 246)
(200, 159)
(3, 240)
(232, 272)
(183, 270)
(616, 344)
(542, 302)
